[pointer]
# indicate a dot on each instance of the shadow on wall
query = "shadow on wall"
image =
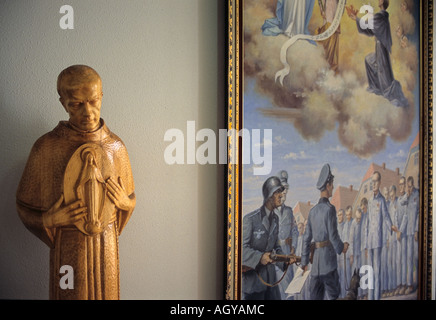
(211, 178)
(25, 258)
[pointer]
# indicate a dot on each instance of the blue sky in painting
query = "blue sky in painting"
(303, 159)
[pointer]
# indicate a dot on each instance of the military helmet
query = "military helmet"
(283, 176)
(271, 185)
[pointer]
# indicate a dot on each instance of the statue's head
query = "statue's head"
(80, 92)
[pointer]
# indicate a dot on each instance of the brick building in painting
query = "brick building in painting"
(301, 211)
(412, 164)
(343, 197)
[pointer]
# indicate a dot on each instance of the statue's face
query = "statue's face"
(83, 105)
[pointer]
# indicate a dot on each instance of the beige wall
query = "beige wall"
(162, 64)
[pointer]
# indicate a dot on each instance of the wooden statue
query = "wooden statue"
(77, 192)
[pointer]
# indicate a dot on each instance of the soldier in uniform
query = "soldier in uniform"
(323, 229)
(412, 233)
(259, 239)
(288, 233)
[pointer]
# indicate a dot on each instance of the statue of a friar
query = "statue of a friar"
(77, 192)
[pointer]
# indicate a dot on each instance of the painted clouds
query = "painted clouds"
(314, 99)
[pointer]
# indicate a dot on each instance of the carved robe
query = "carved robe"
(93, 257)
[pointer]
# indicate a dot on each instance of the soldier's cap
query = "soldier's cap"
(283, 176)
(324, 177)
(270, 186)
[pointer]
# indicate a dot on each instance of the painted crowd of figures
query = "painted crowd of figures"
(382, 235)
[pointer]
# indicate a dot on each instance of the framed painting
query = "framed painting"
(330, 149)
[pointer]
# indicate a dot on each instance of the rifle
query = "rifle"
(285, 258)
(279, 258)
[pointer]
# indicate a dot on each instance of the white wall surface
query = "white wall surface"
(162, 63)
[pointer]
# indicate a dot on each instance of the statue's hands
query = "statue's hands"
(117, 193)
(58, 216)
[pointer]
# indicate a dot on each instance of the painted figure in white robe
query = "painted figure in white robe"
(292, 18)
